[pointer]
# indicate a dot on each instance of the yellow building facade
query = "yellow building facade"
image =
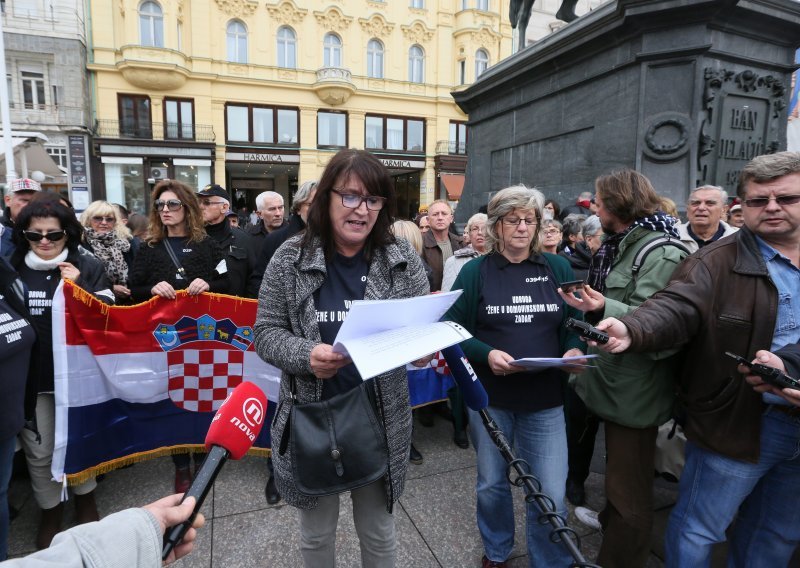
(258, 95)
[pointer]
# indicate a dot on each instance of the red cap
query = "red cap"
(237, 423)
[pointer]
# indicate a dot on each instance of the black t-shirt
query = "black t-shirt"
(16, 339)
(520, 312)
(346, 281)
(42, 286)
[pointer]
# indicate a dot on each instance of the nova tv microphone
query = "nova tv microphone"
(475, 396)
(233, 430)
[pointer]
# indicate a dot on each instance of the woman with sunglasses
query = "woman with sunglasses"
(511, 306)
(48, 237)
(347, 253)
(177, 255)
(105, 235)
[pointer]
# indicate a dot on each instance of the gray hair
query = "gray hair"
(573, 224)
(591, 225)
(504, 202)
(585, 196)
(768, 167)
(474, 220)
(262, 197)
(303, 195)
(722, 193)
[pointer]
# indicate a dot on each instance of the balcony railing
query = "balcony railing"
(48, 115)
(450, 147)
(154, 131)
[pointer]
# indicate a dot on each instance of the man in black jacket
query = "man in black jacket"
(240, 253)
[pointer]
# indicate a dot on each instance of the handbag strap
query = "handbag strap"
(174, 258)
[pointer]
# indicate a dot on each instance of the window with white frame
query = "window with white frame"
(331, 129)
(10, 82)
(481, 62)
(482, 5)
(59, 154)
(417, 3)
(237, 42)
(332, 51)
(151, 24)
(287, 48)
(33, 91)
(375, 59)
(416, 64)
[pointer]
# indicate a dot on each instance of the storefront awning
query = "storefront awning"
(30, 156)
(454, 184)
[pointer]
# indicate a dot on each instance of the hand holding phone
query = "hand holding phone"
(585, 330)
(769, 375)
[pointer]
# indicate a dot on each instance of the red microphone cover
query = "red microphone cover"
(237, 423)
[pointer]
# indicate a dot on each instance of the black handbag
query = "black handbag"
(337, 444)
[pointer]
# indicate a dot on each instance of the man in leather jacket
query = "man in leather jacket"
(739, 294)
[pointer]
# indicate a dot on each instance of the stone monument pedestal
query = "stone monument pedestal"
(684, 91)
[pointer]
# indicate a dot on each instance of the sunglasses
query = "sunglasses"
(172, 205)
(35, 237)
(780, 200)
(101, 218)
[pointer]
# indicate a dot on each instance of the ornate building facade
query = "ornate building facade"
(258, 95)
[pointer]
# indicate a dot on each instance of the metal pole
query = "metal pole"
(5, 114)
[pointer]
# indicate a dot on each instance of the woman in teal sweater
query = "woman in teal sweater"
(511, 307)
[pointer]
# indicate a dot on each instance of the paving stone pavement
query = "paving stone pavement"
(435, 516)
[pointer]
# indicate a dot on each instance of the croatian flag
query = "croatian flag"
(133, 382)
(137, 382)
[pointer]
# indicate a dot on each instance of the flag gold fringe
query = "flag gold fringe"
(111, 465)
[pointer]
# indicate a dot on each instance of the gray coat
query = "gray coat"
(286, 331)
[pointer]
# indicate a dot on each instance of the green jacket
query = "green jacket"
(465, 310)
(632, 389)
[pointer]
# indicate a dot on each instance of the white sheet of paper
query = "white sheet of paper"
(547, 362)
(380, 335)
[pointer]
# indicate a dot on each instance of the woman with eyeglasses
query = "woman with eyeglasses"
(511, 306)
(177, 255)
(347, 252)
(551, 235)
(105, 235)
(48, 237)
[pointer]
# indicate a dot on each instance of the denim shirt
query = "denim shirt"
(786, 278)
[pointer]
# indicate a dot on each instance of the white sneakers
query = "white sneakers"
(588, 518)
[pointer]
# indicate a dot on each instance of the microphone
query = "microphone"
(235, 427)
(475, 396)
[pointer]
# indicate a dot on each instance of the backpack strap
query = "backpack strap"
(660, 241)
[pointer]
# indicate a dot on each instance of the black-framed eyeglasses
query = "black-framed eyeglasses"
(172, 204)
(758, 202)
(52, 236)
(515, 221)
(354, 201)
(101, 218)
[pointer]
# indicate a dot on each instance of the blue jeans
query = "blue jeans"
(766, 495)
(540, 438)
(6, 464)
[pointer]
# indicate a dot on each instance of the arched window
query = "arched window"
(287, 47)
(481, 62)
(151, 24)
(482, 5)
(416, 64)
(375, 59)
(333, 50)
(237, 42)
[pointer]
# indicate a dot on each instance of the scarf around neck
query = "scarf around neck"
(35, 262)
(109, 248)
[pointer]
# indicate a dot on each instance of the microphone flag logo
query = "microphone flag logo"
(205, 360)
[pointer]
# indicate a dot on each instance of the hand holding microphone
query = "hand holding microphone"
(235, 427)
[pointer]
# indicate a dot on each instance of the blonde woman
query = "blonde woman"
(109, 239)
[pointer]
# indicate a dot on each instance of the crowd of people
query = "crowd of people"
(673, 296)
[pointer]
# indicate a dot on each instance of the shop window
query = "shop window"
(287, 48)
(458, 138)
(125, 182)
(481, 62)
(237, 42)
(393, 133)
(332, 54)
(134, 116)
(257, 124)
(416, 64)
(375, 59)
(179, 119)
(151, 24)
(331, 129)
